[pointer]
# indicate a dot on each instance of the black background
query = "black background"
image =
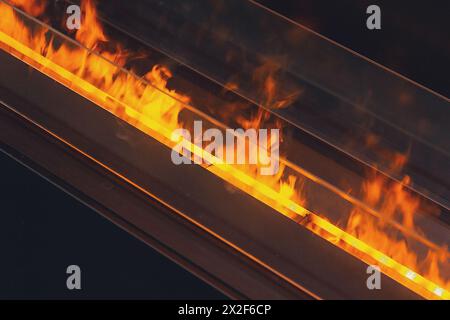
(43, 230)
(413, 40)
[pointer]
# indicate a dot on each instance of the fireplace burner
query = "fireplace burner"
(94, 112)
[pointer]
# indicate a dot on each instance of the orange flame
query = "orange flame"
(91, 32)
(149, 105)
(265, 77)
(394, 203)
(34, 8)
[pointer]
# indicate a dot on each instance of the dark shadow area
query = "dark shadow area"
(412, 40)
(44, 230)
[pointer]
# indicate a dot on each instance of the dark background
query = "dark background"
(413, 40)
(43, 230)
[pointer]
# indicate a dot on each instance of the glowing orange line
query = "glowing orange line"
(402, 274)
(166, 204)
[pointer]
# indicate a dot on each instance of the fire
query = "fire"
(34, 8)
(91, 32)
(265, 77)
(103, 82)
(99, 75)
(396, 204)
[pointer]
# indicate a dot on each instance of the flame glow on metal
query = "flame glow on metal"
(150, 106)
